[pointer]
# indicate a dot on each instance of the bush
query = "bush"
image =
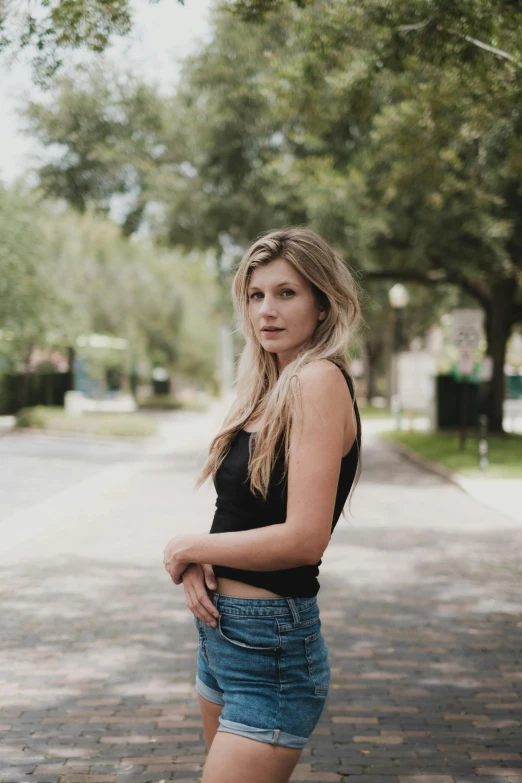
(36, 416)
(195, 405)
(165, 402)
(117, 424)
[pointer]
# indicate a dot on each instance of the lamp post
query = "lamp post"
(398, 297)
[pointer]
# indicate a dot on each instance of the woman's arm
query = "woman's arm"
(267, 548)
(316, 447)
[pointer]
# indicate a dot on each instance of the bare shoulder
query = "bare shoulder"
(323, 389)
(322, 377)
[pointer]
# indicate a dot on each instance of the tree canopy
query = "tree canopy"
(63, 275)
(49, 29)
(393, 128)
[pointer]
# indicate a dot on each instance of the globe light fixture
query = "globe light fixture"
(398, 296)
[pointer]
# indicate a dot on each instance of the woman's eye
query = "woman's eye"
(286, 291)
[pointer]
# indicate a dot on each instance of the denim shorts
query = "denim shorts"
(267, 663)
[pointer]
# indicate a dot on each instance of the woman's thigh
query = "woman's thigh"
(210, 713)
(236, 759)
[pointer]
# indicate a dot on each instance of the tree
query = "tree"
(63, 275)
(392, 128)
(107, 131)
(162, 302)
(51, 28)
(440, 159)
(30, 303)
(400, 134)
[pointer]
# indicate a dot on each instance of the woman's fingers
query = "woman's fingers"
(196, 596)
(208, 573)
(205, 608)
(197, 607)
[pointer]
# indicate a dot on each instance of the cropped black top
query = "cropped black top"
(238, 508)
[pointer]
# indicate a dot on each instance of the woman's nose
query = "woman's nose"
(267, 305)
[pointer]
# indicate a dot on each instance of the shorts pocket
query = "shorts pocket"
(318, 663)
(251, 633)
(202, 638)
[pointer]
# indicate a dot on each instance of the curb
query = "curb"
(427, 464)
(20, 432)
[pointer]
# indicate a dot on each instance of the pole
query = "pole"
(398, 346)
(464, 397)
(388, 360)
(483, 442)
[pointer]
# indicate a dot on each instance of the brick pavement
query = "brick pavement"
(421, 607)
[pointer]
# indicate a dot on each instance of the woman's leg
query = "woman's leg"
(210, 713)
(236, 759)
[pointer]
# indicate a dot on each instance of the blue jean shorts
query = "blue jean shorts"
(267, 664)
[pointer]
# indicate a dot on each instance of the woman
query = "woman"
(283, 465)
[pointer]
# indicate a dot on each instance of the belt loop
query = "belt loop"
(295, 611)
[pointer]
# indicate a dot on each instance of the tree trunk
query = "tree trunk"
(71, 355)
(498, 328)
(387, 347)
(373, 349)
(24, 387)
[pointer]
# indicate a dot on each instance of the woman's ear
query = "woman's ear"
(323, 309)
(321, 303)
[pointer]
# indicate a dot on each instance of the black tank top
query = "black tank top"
(238, 508)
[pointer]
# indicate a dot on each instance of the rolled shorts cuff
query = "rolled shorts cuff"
(209, 693)
(270, 736)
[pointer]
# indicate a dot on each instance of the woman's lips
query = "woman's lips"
(272, 332)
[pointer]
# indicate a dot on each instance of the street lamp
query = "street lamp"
(398, 297)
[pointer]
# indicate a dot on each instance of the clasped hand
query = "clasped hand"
(193, 577)
(173, 560)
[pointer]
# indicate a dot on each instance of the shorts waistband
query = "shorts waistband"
(262, 607)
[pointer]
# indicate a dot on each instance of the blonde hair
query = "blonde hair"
(261, 389)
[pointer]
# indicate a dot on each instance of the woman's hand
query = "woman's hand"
(174, 560)
(196, 598)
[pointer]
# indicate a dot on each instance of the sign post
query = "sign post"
(466, 332)
(483, 442)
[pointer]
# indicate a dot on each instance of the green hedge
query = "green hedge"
(167, 402)
(160, 402)
(116, 424)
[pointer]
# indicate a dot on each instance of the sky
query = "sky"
(164, 33)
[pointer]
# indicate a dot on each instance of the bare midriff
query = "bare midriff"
(238, 589)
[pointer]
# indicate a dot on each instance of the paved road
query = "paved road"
(36, 465)
(421, 603)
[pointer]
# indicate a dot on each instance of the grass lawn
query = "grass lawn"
(370, 412)
(505, 452)
(375, 413)
(133, 425)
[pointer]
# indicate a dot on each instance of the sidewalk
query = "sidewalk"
(421, 608)
(502, 495)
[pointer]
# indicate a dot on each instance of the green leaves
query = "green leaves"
(49, 29)
(29, 303)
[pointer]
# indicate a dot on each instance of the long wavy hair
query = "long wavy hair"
(262, 390)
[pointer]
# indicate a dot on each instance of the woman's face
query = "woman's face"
(280, 297)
